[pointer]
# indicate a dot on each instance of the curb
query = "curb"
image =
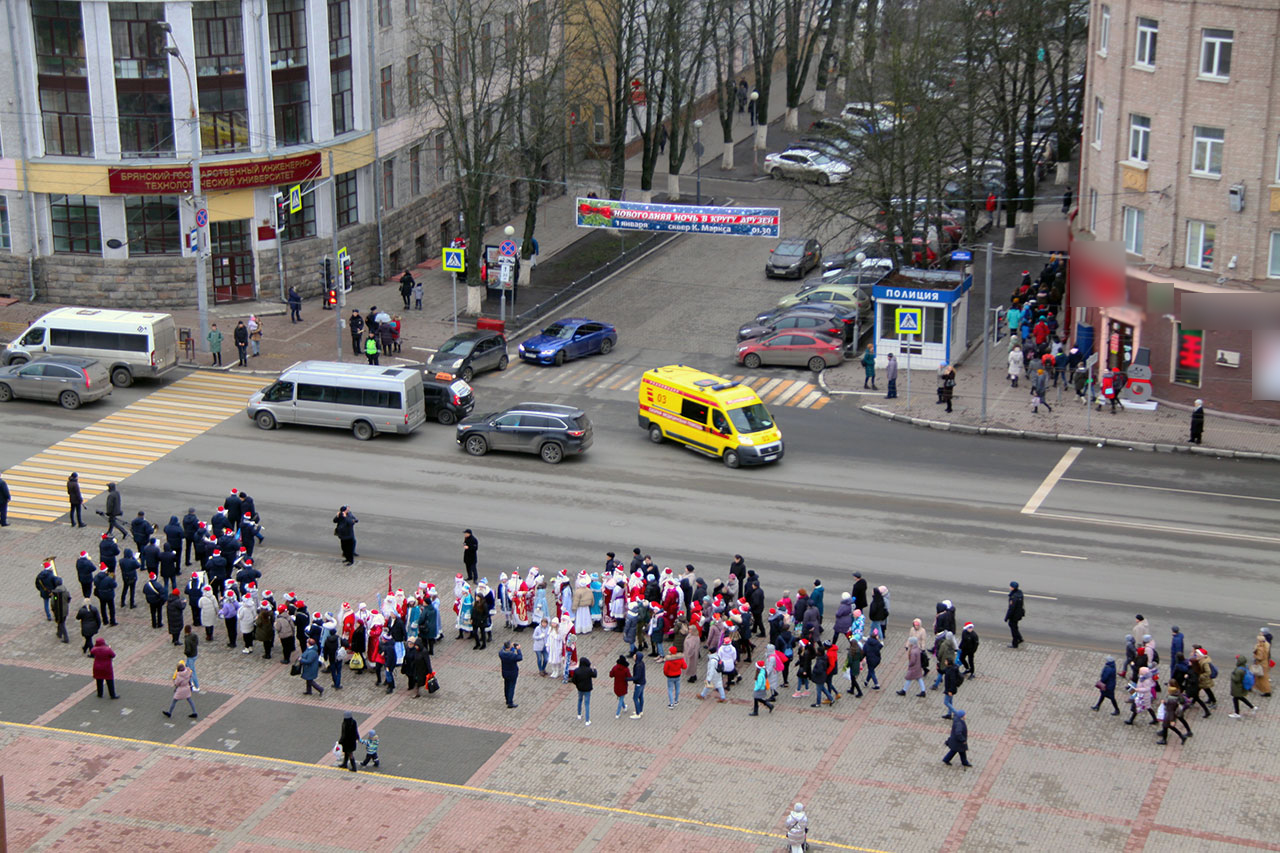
(1034, 435)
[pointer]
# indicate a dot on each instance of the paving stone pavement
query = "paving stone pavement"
(462, 772)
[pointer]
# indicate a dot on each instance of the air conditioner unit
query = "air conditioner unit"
(1235, 197)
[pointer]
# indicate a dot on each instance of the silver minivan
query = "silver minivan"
(364, 398)
(129, 344)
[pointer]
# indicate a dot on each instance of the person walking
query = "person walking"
(958, 740)
(470, 554)
(1141, 695)
(869, 366)
(1262, 664)
(1015, 364)
(355, 324)
(915, 670)
(46, 581)
(5, 497)
(114, 510)
(91, 622)
(582, 679)
(948, 389)
(309, 667)
(1107, 686)
(104, 589)
(348, 740)
(175, 615)
(254, 326)
(76, 501)
(968, 648)
(103, 670)
(891, 376)
(638, 682)
(1170, 715)
(673, 667)
(510, 655)
(1014, 613)
(760, 691)
(190, 651)
(417, 296)
(60, 604)
(1197, 422)
(344, 527)
(295, 305)
(181, 690)
(215, 344)
(1239, 688)
(1038, 385)
(798, 829)
(406, 288)
(951, 681)
(621, 674)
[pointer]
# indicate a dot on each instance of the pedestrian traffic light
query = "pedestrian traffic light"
(282, 211)
(347, 275)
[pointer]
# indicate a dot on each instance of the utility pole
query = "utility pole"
(986, 332)
(337, 271)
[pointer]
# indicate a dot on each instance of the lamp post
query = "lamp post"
(697, 153)
(507, 271)
(197, 203)
(755, 146)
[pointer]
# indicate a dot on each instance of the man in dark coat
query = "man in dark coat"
(247, 506)
(344, 527)
(406, 288)
(149, 553)
(216, 568)
(348, 739)
(114, 509)
(60, 600)
(968, 647)
(168, 559)
(480, 621)
(355, 325)
(141, 529)
(154, 592)
(129, 567)
(190, 526)
(470, 554)
(1013, 615)
(45, 585)
(75, 500)
(104, 589)
(231, 504)
(250, 534)
(84, 573)
(958, 741)
(738, 568)
(173, 612)
(194, 589)
(89, 621)
(510, 655)
(108, 550)
(1197, 422)
(173, 533)
(859, 592)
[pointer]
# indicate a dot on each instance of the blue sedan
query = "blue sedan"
(572, 337)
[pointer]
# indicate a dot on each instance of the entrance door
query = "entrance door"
(1119, 345)
(232, 261)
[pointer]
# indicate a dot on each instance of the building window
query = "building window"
(415, 171)
(340, 65)
(410, 8)
(1104, 29)
(63, 78)
(384, 13)
(486, 47)
(224, 113)
(1200, 238)
(539, 33)
(1139, 138)
(303, 223)
(442, 166)
(1145, 53)
(6, 243)
(1215, 53)
(346, 187)
(153, 225)
(509, 38)
(1133, 226)
(1093, 211)
(76, 229)
(463, 57)
(598, 124)
(437, 68)
(388, 183)
(1206, 152)
(290, 87)
(1097, 122)
(413, 80)
(142, 79)
(1190, 358)
(387, 89)
(1273, 259)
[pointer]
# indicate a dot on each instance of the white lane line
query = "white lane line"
(1052, 480)
(1164, 528)
(424, 349)
(1168, 489)
(1047, 554)
(1274, 624)
(1024, 595)
(809, 400)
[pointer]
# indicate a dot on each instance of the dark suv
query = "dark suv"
(446, 397)
(546, 429)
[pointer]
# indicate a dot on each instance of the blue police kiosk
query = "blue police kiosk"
(922, 317)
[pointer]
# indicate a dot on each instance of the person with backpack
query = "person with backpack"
(1242, 681)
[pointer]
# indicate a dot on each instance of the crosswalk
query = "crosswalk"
(125, 442)
(599, 375)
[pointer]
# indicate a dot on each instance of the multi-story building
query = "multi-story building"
(1180, 164)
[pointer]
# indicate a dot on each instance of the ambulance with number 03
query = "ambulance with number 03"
(708, 413)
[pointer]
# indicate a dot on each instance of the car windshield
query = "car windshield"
(457, 346)
(753, 418)
(558, 331)
(789, 249)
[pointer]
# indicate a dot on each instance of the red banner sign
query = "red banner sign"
(170, 180)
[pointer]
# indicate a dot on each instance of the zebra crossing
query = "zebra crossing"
(598, 375)
(125, 441)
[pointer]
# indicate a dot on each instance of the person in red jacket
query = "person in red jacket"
(103, 670)
(673, 667)
(621, 674)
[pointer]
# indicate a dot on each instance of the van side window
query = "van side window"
(719, 422)
(278, 393)
(33, 338)
(382, 399)
(309, 393)
(693, 411)
(83, 339)
(345, 396)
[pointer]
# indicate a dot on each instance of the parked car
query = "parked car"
(469, 353)
(446, 397)
(810, 349)
(793, 257)
(806, 164)
(831, 309)
(69, 379)
(572, 337)
(547, 429)
(853, 297)
(799, 318)
(863, 278)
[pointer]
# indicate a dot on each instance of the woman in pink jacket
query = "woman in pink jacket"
(181, 690)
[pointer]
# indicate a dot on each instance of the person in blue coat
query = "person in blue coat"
(958, 741)
(129, 567)
(310, 667)
(84, 573)
(108, 550)
(141, 529)
(816, 597)
(173, 533)
(1176, 647)
(510, 655)
(104, 589)
(871, 650)
(190, 524)
(1107, 686)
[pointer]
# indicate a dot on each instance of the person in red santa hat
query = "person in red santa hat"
(346, 620)
(522, 604)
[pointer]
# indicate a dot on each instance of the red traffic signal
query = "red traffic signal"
(331, 297)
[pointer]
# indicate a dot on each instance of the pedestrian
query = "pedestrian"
(540, 637)
(75, 499)
(761, 691)
(1013, 614)
(1107, 686)
(951, 681)
(948, 389)
(1038, 384)
(215, 344)
(190, 651)
(370, 742)
(46, 581)
(1170, 714)
(480, 620)
(621, 674)
(673, 667)
(1204, 671)
(104, 589)
(60, 601)
(891, 376)
(91, 622)
(417, 296)
(207, 608)
(309, 668)
(344, 527)
(114, 509)
(878, 611)
(1261, 664)
(1015, 367)
(406, 288)
(348, 740)
(1066, 201)
(295, 305)
(470, 554)
(662, 139)
(820, 673)
(869, 366)
(968, 647)
(129, 567)
(1240, 677)
(944, 653)
(240, 336)
(387, 336)
(510, 655)
(798, 829)
(103, 670)
(371, 349)
(174, 614)
(5, 497)
(396, 326)
(182, 690)
(958, 740)
(264, 629)
(1141, 695)
(355, 324)
(1197, 422)
(752, 107)
(284, 628)
(582, 676)
(715, 679)
(742, 90)
(254, 326)
(915, 670)
(638, 682)
(141, 529)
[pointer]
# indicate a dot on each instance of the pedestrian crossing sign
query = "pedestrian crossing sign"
(907, 320)
(454, 260)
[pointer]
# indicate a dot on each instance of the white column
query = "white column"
(257, 66)
(362, 69)
(318, 71)
(111, 218)
(181, 88)
(102, 82)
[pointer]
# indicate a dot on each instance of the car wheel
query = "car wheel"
(18, 360)
(551, 453)
(817, 364)
(69, 400)
(606, 346)
(265, 420)
(362, 430)
(823, 180)
(121, 377)
(476, 445)
(6, 393)
(467, 373)
(776, 174)
(446, 416)
(655, 433)
(731, 459)
(559, 359)
(503, 362)
(751, 361)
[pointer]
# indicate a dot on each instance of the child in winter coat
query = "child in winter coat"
(370, 742)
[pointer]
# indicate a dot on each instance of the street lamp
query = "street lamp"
(506, 270)
(755, 145)
(197, 203)
(697, 154)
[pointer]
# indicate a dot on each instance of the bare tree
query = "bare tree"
(686, 38)
(804, 23)
(763, 17)
(726, 34)
(604, 37)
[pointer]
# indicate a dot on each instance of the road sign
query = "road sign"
(506, 272)
(507, 248)
(454, 260)
(202, 217)
(907, 320)
(295, 198)
(961, 255)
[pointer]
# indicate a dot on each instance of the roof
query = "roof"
(548, 409)
(105, 315)
(341, 368)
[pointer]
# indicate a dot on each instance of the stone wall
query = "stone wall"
(162, 282)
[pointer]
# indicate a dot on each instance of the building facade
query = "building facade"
(1180, 165)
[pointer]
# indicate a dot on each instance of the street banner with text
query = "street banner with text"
(159, 180)
(686, 218)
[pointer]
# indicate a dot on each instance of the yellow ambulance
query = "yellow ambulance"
(708, 413)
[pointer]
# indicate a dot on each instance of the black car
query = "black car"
(446, 397)
(469, 353)
(833, 309)
(793, 257)
(802, 320)
(547, 429)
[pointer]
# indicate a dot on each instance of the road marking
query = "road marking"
(1164, 528)
(1047, 554)
(777, 390)
(1024, 595)
(248, 757)
(1052, 480)
(809, 399)
(424, 349)
(1170, 489)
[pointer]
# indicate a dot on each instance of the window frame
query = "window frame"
(340, 78)
(413, 79)
(153, 225)
(220, 76)
(387, 92)
(389, 183)
(1200, 234)
(347, 187)
(86, 243)
(1093, 211)
(1140, 134)
(1273, 256)
(6, 236)
(1214, 37)
(1201, 135)
(1104, 29)
(300, 225)
(1099, 114)
(1135, 232)
(1146, 42)
(415, 170)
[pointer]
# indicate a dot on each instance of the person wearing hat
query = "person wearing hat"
(207, 607)
(76, 500)
(1013, 614)
(154, 592)
(1197, 422)
(60, 602)
(370, 742)
(174, 610)
(1177, 645)
(968, 647)
(284, 630)
(673, 667)
(103, 671)
(958, 740)
(104, 589)
(348, 738)
(108, 550)
(344, 527)
(194, 590)
(90, 622)
(1107, 686)
(45, 585)
(85, 567)
(859, 592)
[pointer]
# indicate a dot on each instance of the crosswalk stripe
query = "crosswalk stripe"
(607, 375)
(759, 382)
(821, 401)
(809, 399)
(768, 386)
(632, 385)
(595, 371)
(797, 389)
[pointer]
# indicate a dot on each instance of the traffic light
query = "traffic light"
(282, 211)
(331, 298)
(348, 276)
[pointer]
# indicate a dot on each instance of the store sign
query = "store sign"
(1190, 357)
(172, 180)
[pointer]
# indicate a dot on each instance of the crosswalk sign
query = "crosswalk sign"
(454, 260)
(907, 320)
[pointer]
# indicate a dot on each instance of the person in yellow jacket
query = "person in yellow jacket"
(371, 349)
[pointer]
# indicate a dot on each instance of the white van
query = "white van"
(364, 398)
(130, 344)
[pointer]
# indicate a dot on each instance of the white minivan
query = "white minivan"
(130, 344)
(364, 398)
